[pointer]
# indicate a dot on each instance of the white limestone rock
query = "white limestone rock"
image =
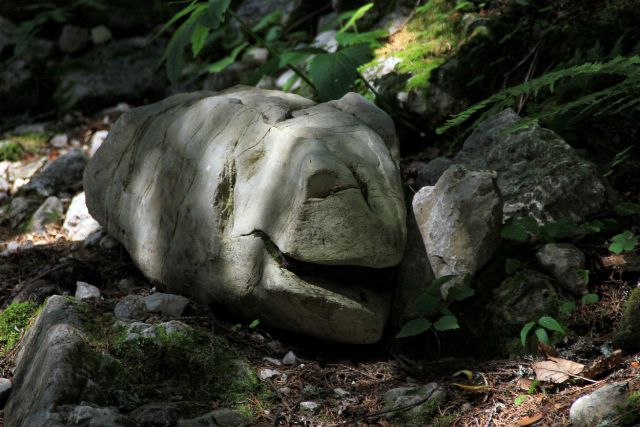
(213, 194)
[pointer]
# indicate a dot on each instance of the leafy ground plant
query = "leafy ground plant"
(13, 320)
(330, 74)
(430, 305)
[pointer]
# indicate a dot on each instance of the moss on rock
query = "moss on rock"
(628, 335)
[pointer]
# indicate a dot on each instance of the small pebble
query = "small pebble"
(86, 291)
(266, 374)
(309, 406)
(289, 358)
(339, 392)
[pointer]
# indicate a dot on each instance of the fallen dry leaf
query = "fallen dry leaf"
(547, 350)
(474, 388)
(527, 421)
(556, 370)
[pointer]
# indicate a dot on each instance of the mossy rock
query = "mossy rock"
(628, 335)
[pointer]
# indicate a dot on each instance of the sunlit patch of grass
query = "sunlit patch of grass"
(13, 320)
(425, 42)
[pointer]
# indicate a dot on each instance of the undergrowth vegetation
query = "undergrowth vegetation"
(13, 322)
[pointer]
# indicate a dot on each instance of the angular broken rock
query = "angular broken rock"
(459, 220)
(539, 174)
(78, 223)
(564, 260)
(253, 198)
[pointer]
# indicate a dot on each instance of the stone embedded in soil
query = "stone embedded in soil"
(563, 260)
(418, 396)
(219, 418)
(266, 374)
(85, 291)
(309, 406)
(131, 307)
(50, 211)
(158, 414)
(167, 304)
(602, 404)
(62, 174)
(289, 358)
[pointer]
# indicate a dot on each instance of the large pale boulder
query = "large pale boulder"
(255, 199)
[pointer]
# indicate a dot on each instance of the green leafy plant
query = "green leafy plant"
(623, 242)
(330, 74)
(545, 323)
(430, 304)
(621, 96)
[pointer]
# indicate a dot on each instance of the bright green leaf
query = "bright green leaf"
(525, 331)
(623, 242)
(356, 16)
(512, 265)
(294, 57)
(590, 298)
(198, 38)
(446, 323)
(254, 324)
(173, 54)
(550, 323)
(414, 327)
(334, 73)
(520, 399)
(542, 336)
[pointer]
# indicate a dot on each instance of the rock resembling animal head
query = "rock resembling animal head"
(262, 201)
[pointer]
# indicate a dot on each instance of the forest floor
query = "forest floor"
(494, 392)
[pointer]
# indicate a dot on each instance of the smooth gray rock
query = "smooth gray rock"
(123, 70)
(62, 174)
(604, 403)
(266, 374)
(19, 210)
(290, 182)
(89, 416)
(73, 39)
(539, 174)
(168, 304)
(96, 141)
(100, 34)
(460, 220)
(430, 173)
(50, 211)
(138, 330)
(421, 396)
(563, 260)
(85, 291)
(219, 418)
(78, 222)
(289, 358)
(525, 296)
(157, 414)
(131, 307)
(53, 368)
